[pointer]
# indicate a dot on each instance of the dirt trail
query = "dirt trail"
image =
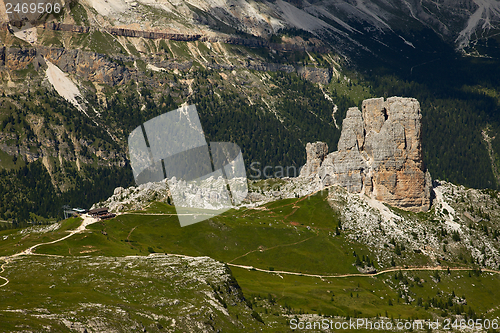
(396, 269)
(3, 269)
(163, 214)
(270, 248)
(87, 220)
(295, 207)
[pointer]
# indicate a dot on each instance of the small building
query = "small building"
(98, 211)
(101, 213)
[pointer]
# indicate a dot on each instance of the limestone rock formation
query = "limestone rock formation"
(316, 153)
(379, 154)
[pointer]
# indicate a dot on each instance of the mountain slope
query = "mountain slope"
(107, 294)
(342, 24)
(330, 255)
(294, 68)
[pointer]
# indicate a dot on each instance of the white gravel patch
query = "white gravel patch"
(63, 85)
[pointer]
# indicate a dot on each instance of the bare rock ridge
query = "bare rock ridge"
(106, 69)
(250, 42)
(379, 154)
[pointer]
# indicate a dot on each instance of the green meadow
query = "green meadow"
(15, 240)
(293, 235)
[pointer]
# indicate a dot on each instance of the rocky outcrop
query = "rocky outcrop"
(379, 154)
(90, 66)
(314, 74)
(109, 69)
(272, 67)
(250, 42)
(136, 198)
(316, 153)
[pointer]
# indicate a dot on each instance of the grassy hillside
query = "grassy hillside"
(282, 236)
(152, 294)
(304, 262)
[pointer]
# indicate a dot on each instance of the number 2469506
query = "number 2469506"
(32, 8)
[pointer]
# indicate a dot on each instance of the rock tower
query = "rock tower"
(379, 154)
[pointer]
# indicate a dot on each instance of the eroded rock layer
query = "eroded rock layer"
(379, 154)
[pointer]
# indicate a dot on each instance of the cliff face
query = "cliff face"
(104, 69)
(89, 65)
(250, 42)
(379, 154)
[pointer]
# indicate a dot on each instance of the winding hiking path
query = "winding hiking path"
(87, 220)
(396, 269)
(164, 214)
(270, 248)
(3, 269)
